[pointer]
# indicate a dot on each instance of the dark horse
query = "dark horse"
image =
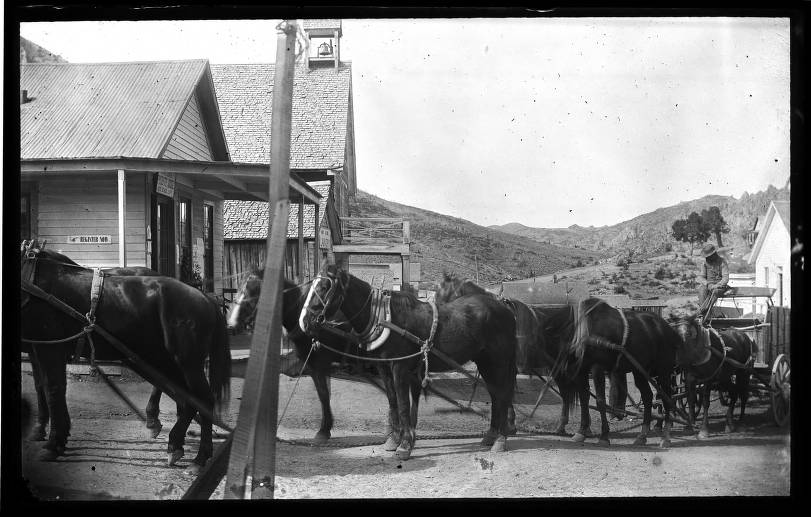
(171, 326)
(541, 341)
(318, 360)
(705, 361)
(477, 328)
(38, 430)
(602, 333)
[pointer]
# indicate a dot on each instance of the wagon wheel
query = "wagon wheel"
(780, 385)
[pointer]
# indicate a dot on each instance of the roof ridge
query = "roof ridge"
(195, 60)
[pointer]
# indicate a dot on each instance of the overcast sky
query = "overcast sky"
(547, 122)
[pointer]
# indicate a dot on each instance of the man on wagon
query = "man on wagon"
(714, 280)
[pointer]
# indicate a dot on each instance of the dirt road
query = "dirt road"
(109, 455)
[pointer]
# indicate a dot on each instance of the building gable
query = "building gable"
(189, 140)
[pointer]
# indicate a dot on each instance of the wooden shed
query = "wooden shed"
(126, 164)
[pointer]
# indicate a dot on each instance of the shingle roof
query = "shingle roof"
(103, 110)
(249, 219)
(320, 112)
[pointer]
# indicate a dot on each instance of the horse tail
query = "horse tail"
(581, 333)
(619, 390)
(568, 392)
(219, 363)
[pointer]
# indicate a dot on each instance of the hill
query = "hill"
(444, 243)
(650, 233)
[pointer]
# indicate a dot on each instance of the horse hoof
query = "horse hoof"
(51, 454)
(561, 431)
(512, 430)
(665, 444)
(153, 432)
(321, 438)
(173, 457)
(588, 433)
(193, 469)
(403, 453)
(488, 440)
(604, 442)
(703, 435)
(641, 440)
(579, 437)
(37, 435)
(500, 445)
(391, 443)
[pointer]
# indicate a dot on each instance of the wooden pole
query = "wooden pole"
(122, 219)
(252, 463)
(317, 246)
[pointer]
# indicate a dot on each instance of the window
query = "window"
(184, 240)
(208, 248)
(25, 216)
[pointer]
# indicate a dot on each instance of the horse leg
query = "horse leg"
(733, 398)
(402, 384)
(646, 394)
(52, 362)
(198, 386)
(564, 408)
(743, 393)
(667, 404)
(416, 389)
(177, 436)
(599, 390)
(500, 400)
(704, 433)
(38, 433)
(394, 431)
(585, 417)
(153, 423)
(320, 379)
(691, 403)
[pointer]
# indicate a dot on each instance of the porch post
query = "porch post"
(317, 251)
(301, 251)
(122, 219)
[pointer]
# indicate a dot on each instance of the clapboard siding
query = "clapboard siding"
(89, 206)
(189, 141)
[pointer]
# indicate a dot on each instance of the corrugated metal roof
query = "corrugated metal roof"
(249, 219)
(103, 110)
(320, 113)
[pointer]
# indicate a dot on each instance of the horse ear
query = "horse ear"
(446, 275)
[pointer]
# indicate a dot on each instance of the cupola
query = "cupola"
(324, 42)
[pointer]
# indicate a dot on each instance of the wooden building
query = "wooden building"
(126, 164)
(322, 149)
(771, 254)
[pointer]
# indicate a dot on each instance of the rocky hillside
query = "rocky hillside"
(650, 233)
(443, 243)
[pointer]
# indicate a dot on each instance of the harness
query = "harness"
(378, 329)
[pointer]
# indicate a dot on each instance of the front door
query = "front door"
(163, 250)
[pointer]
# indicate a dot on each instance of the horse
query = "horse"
(38, 430)
(317, 359)
(477, 328)
(171, 326)
(540, 342)
(642, 343)
(707, 357)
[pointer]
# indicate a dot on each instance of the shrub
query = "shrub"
(619, 289)
(661, 273)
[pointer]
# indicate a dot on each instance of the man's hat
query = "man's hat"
(708, 250)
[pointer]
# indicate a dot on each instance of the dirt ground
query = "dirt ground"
(110, 455)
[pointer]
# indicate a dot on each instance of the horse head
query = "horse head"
(242, 311)
(449, 288)
(325, 298)
(693, 346)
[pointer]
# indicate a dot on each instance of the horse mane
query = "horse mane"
(582, 327)
(55, 256)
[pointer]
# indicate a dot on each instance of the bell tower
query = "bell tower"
(324, 42)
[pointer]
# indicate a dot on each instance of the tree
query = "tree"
(692, 230)
(715, 222)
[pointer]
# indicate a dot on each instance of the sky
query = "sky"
(547, 122)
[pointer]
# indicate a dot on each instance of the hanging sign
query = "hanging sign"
(324, 238)
(165, 185)
(90, 239)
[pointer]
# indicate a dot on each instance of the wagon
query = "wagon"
(771, 369)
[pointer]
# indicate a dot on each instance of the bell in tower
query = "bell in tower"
(324, 42)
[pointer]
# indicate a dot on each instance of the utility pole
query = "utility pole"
(476, 258)
(252, 462)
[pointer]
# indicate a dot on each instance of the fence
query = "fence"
(375, 230)
(243, 256)
(778, 335)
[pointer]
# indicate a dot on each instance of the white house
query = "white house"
(771, 253)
